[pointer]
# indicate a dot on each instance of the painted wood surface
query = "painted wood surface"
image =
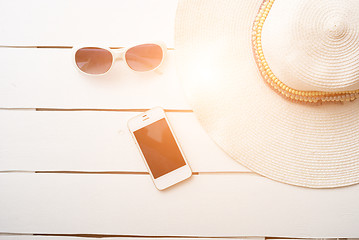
(47, 78)
(66, 23)
(223, 200)
(96, 141)
(205, 205)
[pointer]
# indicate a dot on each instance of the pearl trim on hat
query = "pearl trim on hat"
(281, 88)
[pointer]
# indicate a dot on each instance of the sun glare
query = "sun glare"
(204, 70)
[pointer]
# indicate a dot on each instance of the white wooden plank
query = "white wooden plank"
(205, 205)
(47, 78)
(96, 141)
(66, 22)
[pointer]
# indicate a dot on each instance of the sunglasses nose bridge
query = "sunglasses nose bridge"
(119, 54)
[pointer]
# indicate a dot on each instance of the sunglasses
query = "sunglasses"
(99, 60)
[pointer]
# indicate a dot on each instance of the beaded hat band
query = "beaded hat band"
(285, 91)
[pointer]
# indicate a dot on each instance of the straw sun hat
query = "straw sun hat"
(275, 83)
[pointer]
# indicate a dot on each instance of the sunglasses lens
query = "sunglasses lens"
(144, 57)
(93, 60)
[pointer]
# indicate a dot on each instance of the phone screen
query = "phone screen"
(159, 148)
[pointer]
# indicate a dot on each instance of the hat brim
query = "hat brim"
(303, 145)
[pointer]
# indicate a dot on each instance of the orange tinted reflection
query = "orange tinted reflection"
(93, 60)
(144, 57)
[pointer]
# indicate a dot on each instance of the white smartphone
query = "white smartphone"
(159, 148)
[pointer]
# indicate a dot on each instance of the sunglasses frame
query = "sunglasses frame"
(119, 54)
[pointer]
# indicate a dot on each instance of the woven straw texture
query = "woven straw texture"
(309, 45)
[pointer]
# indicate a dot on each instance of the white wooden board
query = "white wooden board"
(65, 22)
(47, 78)
(206, 205)
(96, 141)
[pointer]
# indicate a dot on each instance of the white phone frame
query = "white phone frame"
(145, 119)
(119, 54)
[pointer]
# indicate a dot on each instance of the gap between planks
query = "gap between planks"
(117, 172)
(59, 47)
(108, 110)
(128, 236)
(93, 109)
